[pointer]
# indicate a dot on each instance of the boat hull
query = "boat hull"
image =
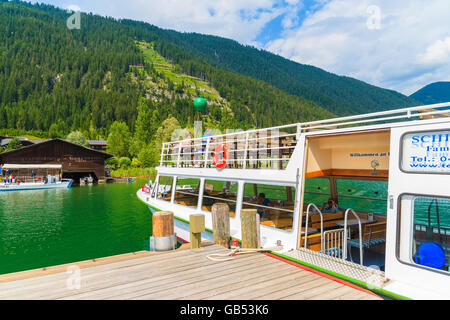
(181, 227)
(35, 186)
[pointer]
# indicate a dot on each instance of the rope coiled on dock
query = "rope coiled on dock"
(238, 250)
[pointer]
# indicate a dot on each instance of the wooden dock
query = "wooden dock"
(179, 274)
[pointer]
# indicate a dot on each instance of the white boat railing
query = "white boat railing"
(272, 148)
(308, 209)
(333, 243)
(346, 234)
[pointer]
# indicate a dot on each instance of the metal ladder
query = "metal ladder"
(306, 225)
(346, 235)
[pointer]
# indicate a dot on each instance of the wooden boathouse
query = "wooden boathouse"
(77, 161)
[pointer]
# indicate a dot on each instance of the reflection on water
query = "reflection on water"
(49, 227)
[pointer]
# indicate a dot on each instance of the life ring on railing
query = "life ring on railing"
(145, 189)
(226, 156)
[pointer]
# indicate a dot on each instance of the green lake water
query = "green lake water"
(50, 227)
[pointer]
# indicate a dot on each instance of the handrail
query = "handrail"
(317, 123)
(360, 235)
(306, 226)
(253, 140)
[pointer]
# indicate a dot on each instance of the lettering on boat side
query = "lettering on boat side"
(426, 152)
(373, 154)
(229, 309)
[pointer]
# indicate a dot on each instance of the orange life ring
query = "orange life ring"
(226, 156)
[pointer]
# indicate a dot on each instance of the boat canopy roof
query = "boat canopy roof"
(32, 166)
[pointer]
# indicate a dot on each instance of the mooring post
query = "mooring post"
(258, 230)
(197, 226)
(221, 224)
(162, 224)
(249, 228)
(163, 235)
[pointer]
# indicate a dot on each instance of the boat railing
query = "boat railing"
(308, 210)
(259, 149)
(346, 234)
(272, 148)
(333, 243)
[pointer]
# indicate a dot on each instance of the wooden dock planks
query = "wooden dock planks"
(184, 275)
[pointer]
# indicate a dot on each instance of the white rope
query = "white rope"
(237, 250)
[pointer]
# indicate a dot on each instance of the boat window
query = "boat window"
(186, 192)
(164, 188)
(430, 238)
(275, 204)
(362, 195)
(317, 191)
(220, 191)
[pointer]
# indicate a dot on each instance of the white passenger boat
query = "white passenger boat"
(364, 198)
(18, 177)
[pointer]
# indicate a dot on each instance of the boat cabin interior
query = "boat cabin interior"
(346, 171)
(345, 201)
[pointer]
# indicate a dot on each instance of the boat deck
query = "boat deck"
(179, 274)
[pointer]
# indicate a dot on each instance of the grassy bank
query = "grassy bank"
(134, 172)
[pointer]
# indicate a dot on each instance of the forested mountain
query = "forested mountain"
(339, 94)
(58, 80)
(54, 80)
(436, 92)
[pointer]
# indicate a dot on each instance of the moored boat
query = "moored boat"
(364, 198)
(19, 177)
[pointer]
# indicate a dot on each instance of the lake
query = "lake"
(50, 227)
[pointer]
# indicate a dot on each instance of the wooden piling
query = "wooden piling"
(249, 228)
(258, 230)
(162, 224)
(221, 224)
(196, 227)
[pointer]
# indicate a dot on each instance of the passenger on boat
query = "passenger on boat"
(263, 201)
(329, 206)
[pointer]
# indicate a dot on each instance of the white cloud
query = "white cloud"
(437, 53)
(404, 45)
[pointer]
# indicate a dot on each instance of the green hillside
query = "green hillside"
(54, 80)
(436, 92)
(339, 94)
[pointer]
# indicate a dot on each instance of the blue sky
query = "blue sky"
(401, 45)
